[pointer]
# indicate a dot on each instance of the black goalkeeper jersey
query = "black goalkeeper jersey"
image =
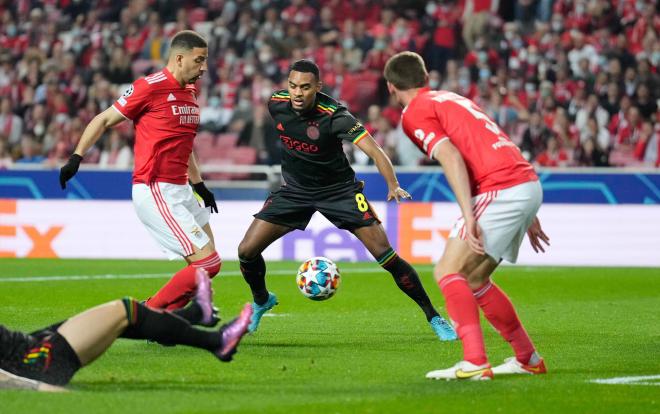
(312, 154)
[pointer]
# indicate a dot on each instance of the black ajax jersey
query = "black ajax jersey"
(312, 154)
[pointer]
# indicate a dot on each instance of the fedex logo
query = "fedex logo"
(417, 231)
(41, 240)
(297, 145)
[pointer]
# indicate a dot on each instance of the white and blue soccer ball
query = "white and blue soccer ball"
(318, 278)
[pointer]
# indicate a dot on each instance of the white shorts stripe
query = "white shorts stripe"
(187, 244)
(487, 200)
(173, 217)
(168, 220)
(477, 210)
(172, 224)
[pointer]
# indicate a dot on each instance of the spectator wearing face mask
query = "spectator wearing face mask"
(214, 117)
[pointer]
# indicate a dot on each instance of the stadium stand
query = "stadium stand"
(574, 82)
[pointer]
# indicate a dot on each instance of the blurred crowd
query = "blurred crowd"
(573, 82)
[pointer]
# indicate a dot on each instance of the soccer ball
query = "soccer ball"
(318, 278)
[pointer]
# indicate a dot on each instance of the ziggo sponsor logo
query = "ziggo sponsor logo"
(41, 241)
(294, 144)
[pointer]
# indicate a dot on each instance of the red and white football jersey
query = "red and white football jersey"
(166, 117)
(493, 161)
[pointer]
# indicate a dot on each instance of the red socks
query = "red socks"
(499, 311)
(211, 263)
(464, 313)
(182, 286)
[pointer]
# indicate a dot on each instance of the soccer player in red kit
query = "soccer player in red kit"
(499, 195)
(163, 107)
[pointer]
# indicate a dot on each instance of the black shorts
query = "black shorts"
(346, 207)
(44, 356)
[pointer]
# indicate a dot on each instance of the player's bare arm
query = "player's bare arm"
(382, 161)
(11, 381)
(537, 235)
(101, 122)
(194, 173)
(457, 175)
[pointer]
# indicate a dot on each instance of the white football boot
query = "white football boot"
(513, 366)
(463, 370)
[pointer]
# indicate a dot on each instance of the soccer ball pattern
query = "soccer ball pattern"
(318, 278)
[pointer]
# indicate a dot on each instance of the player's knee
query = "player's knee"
(125, 309)
(440, 271)
(476, 281)
(246, 252)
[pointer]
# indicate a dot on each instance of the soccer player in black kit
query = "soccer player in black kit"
(46, 359)
(318, 177)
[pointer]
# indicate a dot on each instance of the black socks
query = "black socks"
(407, 280)
(254, 273)
(166, 328)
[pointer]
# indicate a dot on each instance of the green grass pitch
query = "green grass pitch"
(364, 351)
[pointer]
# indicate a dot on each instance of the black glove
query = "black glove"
(207, 196)
(69, 169)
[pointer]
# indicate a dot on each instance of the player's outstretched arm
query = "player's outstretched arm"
(11, 381)
(101, 122)
(537, 235)
(384, 165)
(457, 175)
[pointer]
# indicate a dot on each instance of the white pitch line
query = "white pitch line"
(234, 273)
(641, 380)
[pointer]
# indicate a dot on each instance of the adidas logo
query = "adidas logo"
(171, 97)
(280, 127)
(366, 216)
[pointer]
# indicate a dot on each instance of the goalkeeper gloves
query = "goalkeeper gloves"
(207, 196)
(69, 169)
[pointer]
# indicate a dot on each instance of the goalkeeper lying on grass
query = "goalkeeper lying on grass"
(46, 359)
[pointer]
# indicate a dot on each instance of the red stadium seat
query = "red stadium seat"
(226, 141)
(243, 155)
